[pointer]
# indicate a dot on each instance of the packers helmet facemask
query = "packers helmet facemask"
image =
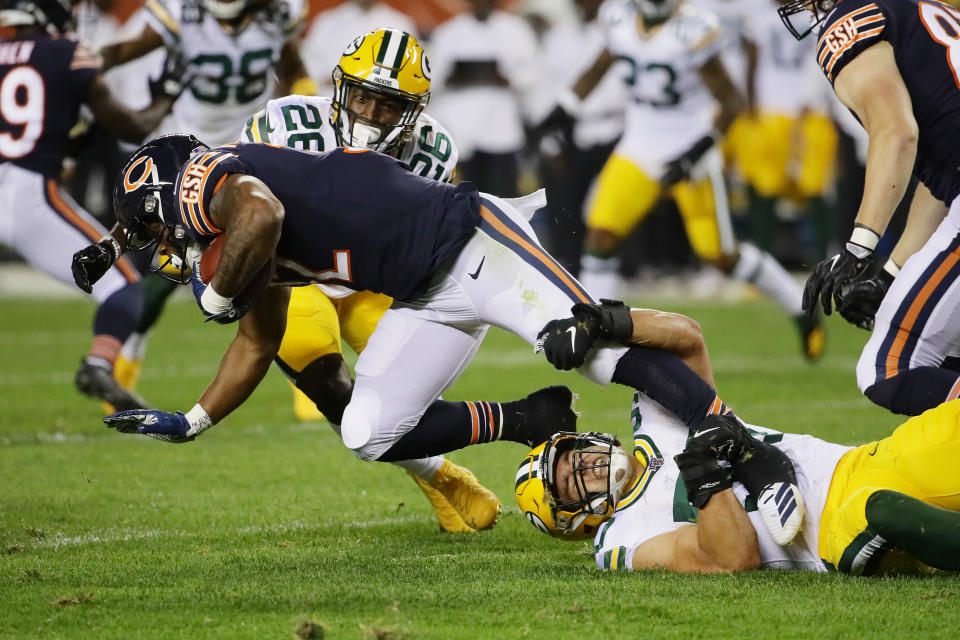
(580, 517)
(654, 11)
(145, 206)
(392, 64)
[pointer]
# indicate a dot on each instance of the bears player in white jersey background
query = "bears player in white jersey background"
(888, 505)
(385, 116)
(681, 102)
(240, 53)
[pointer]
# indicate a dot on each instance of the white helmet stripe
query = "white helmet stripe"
(392, 50)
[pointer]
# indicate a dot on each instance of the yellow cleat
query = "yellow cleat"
(478, 506)
(126, 373)
(303, 407)
(449, 519)
(812, 336)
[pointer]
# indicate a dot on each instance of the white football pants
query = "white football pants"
(502, 277)
(917, 323)
(46, 227)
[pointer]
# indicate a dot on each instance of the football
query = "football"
(208, 266)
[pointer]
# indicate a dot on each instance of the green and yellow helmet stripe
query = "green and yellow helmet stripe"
(392, 49)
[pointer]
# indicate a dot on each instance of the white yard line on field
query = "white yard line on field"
(112, 535)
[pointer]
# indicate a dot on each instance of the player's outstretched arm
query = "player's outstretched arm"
(872, 87)
(673, 332)
(249, 355)
(127, 124)
(124, 51)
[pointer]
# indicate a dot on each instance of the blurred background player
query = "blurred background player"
(573, 155)
(241, 53)
(381, 87)
(45, 77)
(322, 44)
(682, 100)
(485, 74)
(787, 145)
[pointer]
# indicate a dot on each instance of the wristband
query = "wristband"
(865, 237)
(111, 243)
(214, 303)
(198, 419)
(891, 267)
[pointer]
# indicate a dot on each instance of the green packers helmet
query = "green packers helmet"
(579, 518)
(392, 64)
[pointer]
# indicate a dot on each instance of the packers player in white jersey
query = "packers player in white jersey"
(785, 147)
(241, 53)
(681, 101)
(888, 505)
(382, 84)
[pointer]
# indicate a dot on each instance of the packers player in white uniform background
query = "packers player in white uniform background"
(240, 53)
(892, 504)
(786, 145)
(381, 86)
(681, 100)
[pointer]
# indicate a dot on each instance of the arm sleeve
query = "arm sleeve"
(198, 182)
(852, 27)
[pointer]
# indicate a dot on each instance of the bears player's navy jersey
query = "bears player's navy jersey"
(43, 82)
(351, 217)
(925, 37)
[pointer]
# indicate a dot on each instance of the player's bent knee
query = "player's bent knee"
(327, 382)
(359, 425)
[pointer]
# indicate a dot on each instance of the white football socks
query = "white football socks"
(762, 269)
(600, 276)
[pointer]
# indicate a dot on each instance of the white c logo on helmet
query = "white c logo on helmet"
(149, 170)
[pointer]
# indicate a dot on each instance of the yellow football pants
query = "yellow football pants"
(316, 324)
(625, 195)
(782, 157)
(919, 459)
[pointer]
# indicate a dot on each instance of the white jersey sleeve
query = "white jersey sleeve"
(700, 32)
(295, 121)
(658, 503)
(431, 151)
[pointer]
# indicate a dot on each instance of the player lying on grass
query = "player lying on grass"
(692, 502)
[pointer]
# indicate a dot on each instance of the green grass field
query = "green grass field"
(266, 526)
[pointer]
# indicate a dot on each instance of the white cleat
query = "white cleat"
(781, 508)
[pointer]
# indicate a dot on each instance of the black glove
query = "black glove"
(702, 475)
(174, 78)
(755, 463)
(558, 122)
(567, 342)
(861, 297)
(614, 317)
(90, 263)
(680, 167)
(832, 274)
